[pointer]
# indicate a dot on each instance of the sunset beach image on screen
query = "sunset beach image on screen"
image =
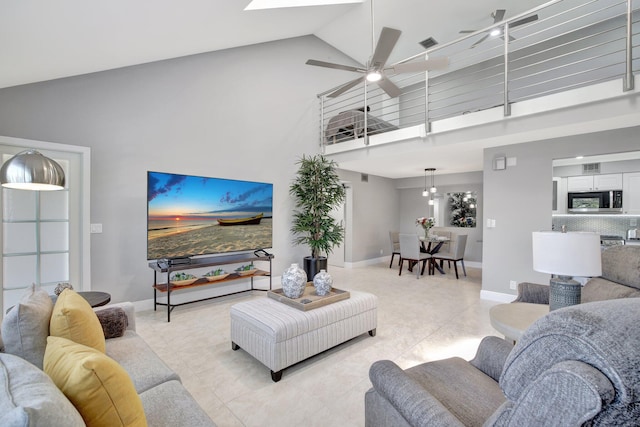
(194, 215)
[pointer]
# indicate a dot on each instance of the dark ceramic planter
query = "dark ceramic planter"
(312, 266)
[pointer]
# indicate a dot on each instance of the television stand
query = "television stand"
(160, 267)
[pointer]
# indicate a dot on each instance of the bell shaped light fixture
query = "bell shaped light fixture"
(30, 170)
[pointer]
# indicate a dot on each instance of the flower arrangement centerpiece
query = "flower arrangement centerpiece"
(426, 224)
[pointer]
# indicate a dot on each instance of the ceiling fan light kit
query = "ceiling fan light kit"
(374, 76)
(376, 70)
(498, 16)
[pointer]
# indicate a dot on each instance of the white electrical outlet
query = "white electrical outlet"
(513, 284)
(381, 251)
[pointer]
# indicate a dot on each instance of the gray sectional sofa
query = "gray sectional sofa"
(28, 397)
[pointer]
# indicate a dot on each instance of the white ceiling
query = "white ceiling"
(43, 39)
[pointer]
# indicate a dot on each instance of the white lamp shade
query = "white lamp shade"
(567, 254)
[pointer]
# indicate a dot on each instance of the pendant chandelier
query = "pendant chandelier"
(430, 192)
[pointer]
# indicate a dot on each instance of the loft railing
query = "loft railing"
(571, 44)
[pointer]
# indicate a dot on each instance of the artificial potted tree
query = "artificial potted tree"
(317, 191)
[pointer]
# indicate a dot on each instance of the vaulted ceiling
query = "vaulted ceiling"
(42, 39)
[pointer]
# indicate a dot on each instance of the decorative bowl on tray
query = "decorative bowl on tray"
(214, 275)
(246, 272)
(183, 279)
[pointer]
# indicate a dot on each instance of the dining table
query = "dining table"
(432, 245)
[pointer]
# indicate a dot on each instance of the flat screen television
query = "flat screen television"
(196, 215)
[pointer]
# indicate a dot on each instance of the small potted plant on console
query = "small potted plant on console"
(317, 191)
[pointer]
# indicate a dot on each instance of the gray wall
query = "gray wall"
(375, 211)
(519, 199)
(245, 113)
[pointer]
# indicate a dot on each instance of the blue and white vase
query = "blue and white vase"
(322, 282)
(294, 280)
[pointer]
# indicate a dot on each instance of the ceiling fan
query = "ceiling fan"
(498, 16)
(377, 70)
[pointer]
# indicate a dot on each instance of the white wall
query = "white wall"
(246, 113)
(519, 199)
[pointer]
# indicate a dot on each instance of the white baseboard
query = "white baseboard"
(496, 296)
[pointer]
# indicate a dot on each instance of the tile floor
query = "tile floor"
(418, 320)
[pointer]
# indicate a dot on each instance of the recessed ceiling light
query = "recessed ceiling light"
(276, 4)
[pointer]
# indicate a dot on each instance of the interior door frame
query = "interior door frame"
(84, 173)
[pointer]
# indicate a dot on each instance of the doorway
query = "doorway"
(44, 234)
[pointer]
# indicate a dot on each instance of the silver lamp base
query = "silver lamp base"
(563, 292)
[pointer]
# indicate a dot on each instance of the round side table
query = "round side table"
(96, 298)
(514, 318)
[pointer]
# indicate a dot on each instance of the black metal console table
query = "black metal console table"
(168, 288)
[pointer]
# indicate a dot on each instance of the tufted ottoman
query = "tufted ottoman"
(280, 336)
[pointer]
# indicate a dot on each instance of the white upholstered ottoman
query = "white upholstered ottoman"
(280, 336)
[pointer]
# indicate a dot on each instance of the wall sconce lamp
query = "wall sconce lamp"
(30, 170)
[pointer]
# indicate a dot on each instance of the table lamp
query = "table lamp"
(565, 255)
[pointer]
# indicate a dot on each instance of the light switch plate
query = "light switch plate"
(96, 228)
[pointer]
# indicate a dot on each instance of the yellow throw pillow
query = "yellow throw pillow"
(74, 319)
(99, 388)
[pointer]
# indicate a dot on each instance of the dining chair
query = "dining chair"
(410, 251)
(394, 238)
(456, 255)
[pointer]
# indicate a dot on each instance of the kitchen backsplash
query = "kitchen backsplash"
(614, 225)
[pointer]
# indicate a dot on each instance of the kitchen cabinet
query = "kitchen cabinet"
(559, 205)
(631, 193)
(609, 181)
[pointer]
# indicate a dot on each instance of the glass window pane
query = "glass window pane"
(18, 205)
(55, 268)
(19, 271)
(54, 205)
(19, 238)
(54, 236)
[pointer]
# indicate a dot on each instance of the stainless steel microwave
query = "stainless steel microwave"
(589, 202)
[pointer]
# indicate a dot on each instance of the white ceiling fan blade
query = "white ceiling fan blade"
(391, 89)
(342, 89)
(416, 67)
(335, 66)
(388, 39)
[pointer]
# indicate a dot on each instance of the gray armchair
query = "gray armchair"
(577, 365)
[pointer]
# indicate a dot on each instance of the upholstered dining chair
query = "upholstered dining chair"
(456, 255)
(410, 251)
(394, 238)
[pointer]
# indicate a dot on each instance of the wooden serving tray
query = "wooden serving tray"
(314, 301)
